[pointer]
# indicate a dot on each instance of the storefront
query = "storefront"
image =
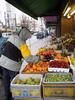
(49, 73)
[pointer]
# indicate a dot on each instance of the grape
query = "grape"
(57, 77)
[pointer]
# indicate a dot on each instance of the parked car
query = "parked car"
(6, 34)
(42, 35)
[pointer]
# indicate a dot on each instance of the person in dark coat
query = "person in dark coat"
(10, 59)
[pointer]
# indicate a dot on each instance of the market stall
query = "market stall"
(50, 71)
(47, 77)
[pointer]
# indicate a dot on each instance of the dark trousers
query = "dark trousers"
(7, 77)
(0, 70)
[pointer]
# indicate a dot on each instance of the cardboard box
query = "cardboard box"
(58, 89)
(26, 91)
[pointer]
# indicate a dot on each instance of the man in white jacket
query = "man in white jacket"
(11, 57)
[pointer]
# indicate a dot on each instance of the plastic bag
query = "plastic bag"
(32, 59)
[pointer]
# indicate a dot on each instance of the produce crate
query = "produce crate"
(28, 68)
(58, 69)
(58, 89)
(26, 90)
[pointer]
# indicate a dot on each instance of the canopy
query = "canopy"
(40, 8)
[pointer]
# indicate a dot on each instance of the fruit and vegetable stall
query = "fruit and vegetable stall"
(49, 77)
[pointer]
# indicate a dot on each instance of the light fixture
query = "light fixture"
(68, 9)
(73, 12)
(68, 16)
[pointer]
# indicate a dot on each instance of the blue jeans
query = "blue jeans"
(7, 77)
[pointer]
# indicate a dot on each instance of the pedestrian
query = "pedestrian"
(2, 43)
(10, 59)
(0, 56)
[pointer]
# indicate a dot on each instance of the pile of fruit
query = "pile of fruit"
(28, 81)
(50, 54)
(58, 64)
(46, 57)
(61, 57)
(70, 45)
(41, 50)
(36, 68)
(46, 52)
(58, 77)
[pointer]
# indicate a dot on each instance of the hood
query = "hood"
(24, 34)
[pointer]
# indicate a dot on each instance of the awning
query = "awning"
(39, 8)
